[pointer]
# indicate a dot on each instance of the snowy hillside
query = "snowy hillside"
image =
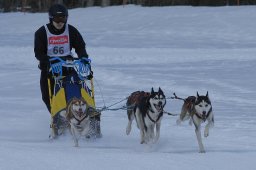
(180, 49)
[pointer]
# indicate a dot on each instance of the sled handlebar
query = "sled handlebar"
(81, 66)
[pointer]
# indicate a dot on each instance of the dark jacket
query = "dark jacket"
(40, 43)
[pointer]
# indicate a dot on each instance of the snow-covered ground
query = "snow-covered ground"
(180, 49)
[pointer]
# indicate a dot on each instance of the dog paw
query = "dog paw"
(178, 121)
(52, 136)
(202, 151)
(76, 145)
(143, 142)
(206, 133)
(190, 122)
(155, 141)
(128, 130)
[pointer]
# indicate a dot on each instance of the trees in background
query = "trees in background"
(43, 5)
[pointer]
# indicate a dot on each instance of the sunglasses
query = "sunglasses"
(59, 19)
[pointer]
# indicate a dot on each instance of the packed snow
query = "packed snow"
(180, 49)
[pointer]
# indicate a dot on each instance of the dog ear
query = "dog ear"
(68, 109)
(160, 90)
(82, 99)
(152, 91)
(197, 94)
(70, 102)
(74, 99)
(207, 94)
(86, 104)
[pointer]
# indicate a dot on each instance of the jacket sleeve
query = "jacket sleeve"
(40, 46)
(77, 42)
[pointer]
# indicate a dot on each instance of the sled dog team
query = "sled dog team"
(147, 109)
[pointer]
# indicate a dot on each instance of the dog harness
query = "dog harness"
(80, 120)
(150, 118)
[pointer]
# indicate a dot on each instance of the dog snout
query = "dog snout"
(80, 109)
(160, 103)
(204, 112)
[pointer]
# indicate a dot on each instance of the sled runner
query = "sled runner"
(70, 79)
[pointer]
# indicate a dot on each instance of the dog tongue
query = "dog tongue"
(80, 113)
(158, 108)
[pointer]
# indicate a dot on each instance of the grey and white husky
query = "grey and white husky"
(147, 111)
(77, 115)
(198, 109)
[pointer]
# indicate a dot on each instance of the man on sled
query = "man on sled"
(63, 77)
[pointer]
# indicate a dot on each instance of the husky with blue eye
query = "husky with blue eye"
(198, 109)
(147, 110)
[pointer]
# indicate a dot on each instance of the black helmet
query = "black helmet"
(57, 10)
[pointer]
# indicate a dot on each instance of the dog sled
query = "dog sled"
(68, 79)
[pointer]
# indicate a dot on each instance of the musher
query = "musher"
(56, 39)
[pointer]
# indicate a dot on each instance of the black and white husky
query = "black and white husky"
(198, 109)
(148, 112)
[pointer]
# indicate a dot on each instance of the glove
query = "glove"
(85, 60)
(90, 75)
